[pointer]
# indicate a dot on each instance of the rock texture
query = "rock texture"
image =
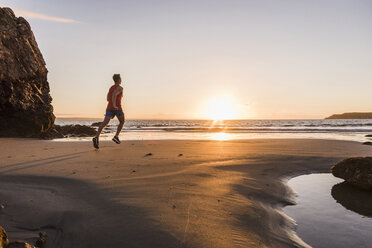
(96, 124)
(4, 242)
(3, 238)
(25, 102)
(355, 171)
(354, 115)
(19, 244)
(76, 130)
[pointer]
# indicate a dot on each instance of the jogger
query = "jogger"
(113, 109)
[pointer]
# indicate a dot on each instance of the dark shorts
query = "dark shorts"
(112, 113)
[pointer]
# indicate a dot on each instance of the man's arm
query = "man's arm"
(115, 95)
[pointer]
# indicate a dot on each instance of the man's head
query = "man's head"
(117, 78)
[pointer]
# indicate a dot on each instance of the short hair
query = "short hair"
(116, 77)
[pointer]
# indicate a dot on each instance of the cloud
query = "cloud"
(34, 15)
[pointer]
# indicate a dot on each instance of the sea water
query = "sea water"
(353, 130)
(330, 213)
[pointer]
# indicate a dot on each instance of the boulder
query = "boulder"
(369, 135)
(356, 171)
(52, 133)
(3, 238)
(25, 102)
(96, 124)
(76, 130)
(368, 143)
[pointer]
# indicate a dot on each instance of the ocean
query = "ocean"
(353, 130)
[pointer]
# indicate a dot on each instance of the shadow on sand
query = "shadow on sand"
(74, 214)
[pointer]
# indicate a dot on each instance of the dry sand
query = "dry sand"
(217, 194)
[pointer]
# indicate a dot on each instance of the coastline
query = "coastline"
(217, 194)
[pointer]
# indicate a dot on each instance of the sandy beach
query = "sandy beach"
(186, 194)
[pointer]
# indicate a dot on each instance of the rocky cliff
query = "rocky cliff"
(25, 102)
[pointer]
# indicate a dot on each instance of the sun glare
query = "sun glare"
(220, 136)
(223, 108)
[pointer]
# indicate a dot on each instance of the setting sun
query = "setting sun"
(222, 108)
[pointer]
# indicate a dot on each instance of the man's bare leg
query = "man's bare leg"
(103, 125)
(120, 126)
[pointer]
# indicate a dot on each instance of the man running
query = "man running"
(113, 109)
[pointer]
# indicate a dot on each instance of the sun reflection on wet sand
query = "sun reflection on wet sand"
(220, 136)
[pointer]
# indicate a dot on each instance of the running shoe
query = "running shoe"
(95, 143)
(116, 140)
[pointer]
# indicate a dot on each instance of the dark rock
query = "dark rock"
(41, 241)
(19, 244)
(369, 135)
(25, 102)
(368, 143)
(356, 171)
(3, 238)
(353, 115)
(76, 130)
(148, 154)
(354, 199)
(52, 133)
(96, 124)
(180, 155)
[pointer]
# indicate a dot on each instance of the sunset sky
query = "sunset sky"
(187, 59)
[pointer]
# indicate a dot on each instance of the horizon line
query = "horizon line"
(184, 119)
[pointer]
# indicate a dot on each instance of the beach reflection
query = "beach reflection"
(321, 221)
(220, 136)
(354, 199)
(161, 135)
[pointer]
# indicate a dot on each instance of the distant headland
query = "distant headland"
(353, 115)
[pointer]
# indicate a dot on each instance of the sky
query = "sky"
(197, 59)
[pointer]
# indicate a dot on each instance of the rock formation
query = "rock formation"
(355, 171)
(76, 130)
(3, 238)
(96, 124)
(19, 244)
(4, 242)
(25, 103)
(354, 115)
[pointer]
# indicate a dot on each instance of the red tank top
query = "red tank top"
(118, 98)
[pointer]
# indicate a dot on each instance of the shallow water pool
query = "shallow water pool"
(330, 213)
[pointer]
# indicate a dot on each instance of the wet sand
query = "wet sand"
(216, 194)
